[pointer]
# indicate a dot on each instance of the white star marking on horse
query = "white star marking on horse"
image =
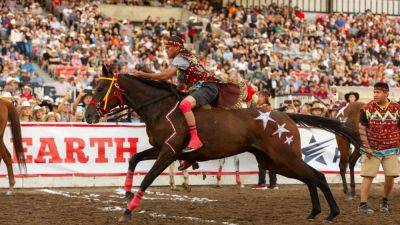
(265, 117)
(289, 140)
(281, 129)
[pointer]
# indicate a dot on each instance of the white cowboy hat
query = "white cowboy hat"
(47, 98)
(26, 104)
(6, 95)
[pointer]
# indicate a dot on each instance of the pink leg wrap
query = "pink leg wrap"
(135, 202)
(185, 106)
(129, 181)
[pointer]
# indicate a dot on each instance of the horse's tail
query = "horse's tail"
(331, 125)
(17, 138)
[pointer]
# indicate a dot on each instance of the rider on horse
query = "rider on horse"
(193, 77)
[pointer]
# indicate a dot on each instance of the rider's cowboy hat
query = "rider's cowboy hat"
(355, 94)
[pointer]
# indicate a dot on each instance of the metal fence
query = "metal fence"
(390, 7)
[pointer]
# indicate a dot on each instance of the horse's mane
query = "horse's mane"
(157, 84)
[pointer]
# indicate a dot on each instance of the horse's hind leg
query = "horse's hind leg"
(172, 185)
(353, 160)
(237, 164)
(294, 170)
(219, 173)
(5, 154)
(293, 167)
(344, 148)
(312, 178)
(323, 185)
(185, 184)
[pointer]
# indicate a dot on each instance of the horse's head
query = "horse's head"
(107, 95)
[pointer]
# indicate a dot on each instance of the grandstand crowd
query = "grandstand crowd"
(275, 48)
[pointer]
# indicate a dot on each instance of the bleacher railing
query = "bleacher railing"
(390, 7)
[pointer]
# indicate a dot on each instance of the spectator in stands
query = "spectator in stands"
(82, 101)
(351, 97)
(62, 86)
(36, 80)
(25, 78)
(28, 66)
(38, 114)
(12, 85)
(27, 93)
(305, 109)
(318, 109)
(25, 112)
(52, 117)
(79, 116)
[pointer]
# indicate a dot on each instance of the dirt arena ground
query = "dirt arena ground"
(203, 205)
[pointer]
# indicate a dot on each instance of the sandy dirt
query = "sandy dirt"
(203, 205)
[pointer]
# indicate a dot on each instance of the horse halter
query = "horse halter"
(101, 106)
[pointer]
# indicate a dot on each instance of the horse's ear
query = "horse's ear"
(105, 70)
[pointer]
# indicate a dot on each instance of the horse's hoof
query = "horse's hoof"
(174, 188)
(126, 217)
(195, 166)
(9, 193)
(313, 215)
(187, 188)
(129, 195)
(332, 215)
(349, 197)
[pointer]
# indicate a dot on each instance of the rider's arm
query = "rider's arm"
(164, 75)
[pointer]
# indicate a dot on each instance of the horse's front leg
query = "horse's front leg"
(147, 154)
(165, 158)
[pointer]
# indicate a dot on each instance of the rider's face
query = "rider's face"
(172, 51)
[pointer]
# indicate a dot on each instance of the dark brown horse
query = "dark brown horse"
(272, 136)
(350, 116)
(9, 113)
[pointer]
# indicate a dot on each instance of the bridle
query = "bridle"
(101, 106)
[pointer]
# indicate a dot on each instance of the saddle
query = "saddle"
(231, 95)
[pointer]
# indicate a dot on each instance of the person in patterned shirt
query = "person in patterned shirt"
(380, 135)
(194, 78)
